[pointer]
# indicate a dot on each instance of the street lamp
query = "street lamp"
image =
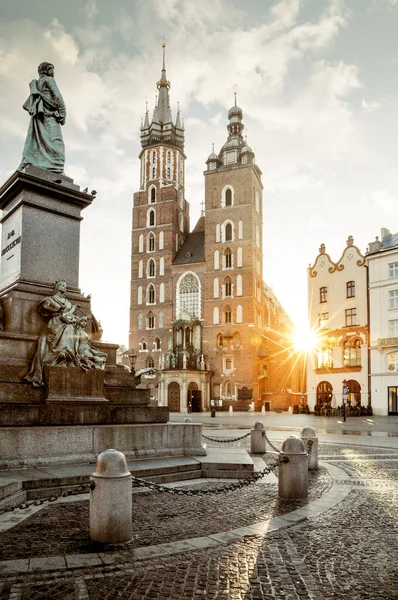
(345, 390)
(132, 357)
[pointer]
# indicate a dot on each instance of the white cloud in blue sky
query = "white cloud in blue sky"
(317, 82)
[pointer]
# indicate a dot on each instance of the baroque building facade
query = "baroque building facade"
(200, 312)
(338, 313)
(382, 258)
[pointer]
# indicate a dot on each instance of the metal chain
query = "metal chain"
(81, 489)
(310, 443)
(271, 444)
(228, 440)
(221, 490)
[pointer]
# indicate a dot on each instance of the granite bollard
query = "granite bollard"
(308, 434)
(111, 499)
(257, 438)
(293, 475)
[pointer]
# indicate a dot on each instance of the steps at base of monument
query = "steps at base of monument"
(12, 493)
(170, 477)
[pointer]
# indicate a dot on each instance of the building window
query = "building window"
(239, 314)
(220, 341)
(228, 230)
(168, 157)
(153, 195)
(323, 294)
(323, 319)
(228, 287)
(156, 344)
(352, 353)
(150, 363)
(325, 358)
(228, 197)
(393, 299)
(140, 321)
(153, 172)
(228, 315)
(350, 289)
(350, 317)
(160, 319)
(151, 294)
(143, 345)
(393, 328)
(392, 362)
(188, 295)
(393, 269)
(154, 156)
(216, 317)
(168, 173)
(228, 259)
(151, 270)
(151, 321)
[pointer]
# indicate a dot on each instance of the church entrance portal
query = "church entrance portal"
(173, 397)
(194, 398)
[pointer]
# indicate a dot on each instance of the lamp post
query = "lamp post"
(345, 390)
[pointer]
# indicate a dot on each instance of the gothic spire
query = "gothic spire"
(162, 110)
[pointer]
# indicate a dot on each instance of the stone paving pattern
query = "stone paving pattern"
(349, 551)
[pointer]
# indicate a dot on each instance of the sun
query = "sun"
(305, 339)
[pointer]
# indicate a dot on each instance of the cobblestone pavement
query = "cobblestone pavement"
(348, 551)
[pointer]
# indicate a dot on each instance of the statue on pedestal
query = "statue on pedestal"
(64, 342)
(44, 146)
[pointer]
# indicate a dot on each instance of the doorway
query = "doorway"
(194, 400)
(392, 400)
(173, 397)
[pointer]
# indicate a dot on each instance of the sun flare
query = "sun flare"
(305, 339)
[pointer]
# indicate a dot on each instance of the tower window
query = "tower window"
(151, 218)
(153, 195)
(228, 287)
(151, 268)
(228, 231)
(153, 156)
(168, 173)
(151, 294)
(150, 363)
(168, 157)
(228, 259)
(156, 344)
(228, 315)
(228, 197)
(151, 242)
(153, 172)
(151, 321)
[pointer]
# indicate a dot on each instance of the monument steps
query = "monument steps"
(19, 485)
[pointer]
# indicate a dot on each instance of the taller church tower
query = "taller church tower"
(160, 227)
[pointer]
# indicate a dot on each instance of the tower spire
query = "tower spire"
(162, 112)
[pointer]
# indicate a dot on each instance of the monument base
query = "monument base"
(38, 446)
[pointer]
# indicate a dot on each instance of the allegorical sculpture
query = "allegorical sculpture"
(64, 342)
(44, 146)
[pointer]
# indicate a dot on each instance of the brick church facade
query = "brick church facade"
(200, 311)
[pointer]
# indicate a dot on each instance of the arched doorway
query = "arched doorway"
(194, 400)
(354, 392)
(173, 397)
(324, 393)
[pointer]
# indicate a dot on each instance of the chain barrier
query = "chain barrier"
(221, 490)
(226, 441)
(81, 489)
(271, 444)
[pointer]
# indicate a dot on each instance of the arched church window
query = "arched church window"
(228, 232)
(151, 294)
(153, 156)
(228, 287)
(156, 343)
(168, 173)
(151, 321)
(160, 319)
(151, 242)
(228, 197)
(151, 268)
(228, 259)
(228, 315)
(150, 363)
(188, 295)
(152, 196)
(151, 218)
(168, 157)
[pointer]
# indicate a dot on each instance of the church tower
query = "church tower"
(160, 227)
(234, 311)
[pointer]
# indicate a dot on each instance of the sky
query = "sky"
(317, 81)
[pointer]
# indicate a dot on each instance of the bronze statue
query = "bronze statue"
(44, 146)
(64, 342)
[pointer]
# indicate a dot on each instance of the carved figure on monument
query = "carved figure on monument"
(44, 146)
(87, 357)
(64, 342)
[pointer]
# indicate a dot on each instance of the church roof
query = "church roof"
(192, 250)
